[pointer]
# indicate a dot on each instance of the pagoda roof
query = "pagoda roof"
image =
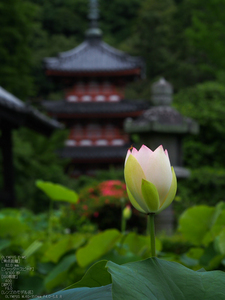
(88, 153)
(162, 119)
(18, 113)
(124, 108)
(94, 56)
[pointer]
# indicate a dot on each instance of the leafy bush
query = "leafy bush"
(102, 202)
(203, 227)
(58, 258)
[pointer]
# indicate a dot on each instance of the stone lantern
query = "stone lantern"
(163, 125)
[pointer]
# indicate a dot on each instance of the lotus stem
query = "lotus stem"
(50, 220)
(123, 225)
(151, 218)
(123, 220)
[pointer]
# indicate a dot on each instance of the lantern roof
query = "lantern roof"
(162, 119)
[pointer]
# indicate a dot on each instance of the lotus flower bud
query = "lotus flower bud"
(150, 180)
(127, 212)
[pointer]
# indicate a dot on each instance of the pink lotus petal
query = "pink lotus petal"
(130, 151)
(158, 172)
(143, 156)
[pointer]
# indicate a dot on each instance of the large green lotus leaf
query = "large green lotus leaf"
(84, 293)
(223, 262)
(215, 262)
(195, 223)
(210, 258)
(218, 210)
(32, 283)
(68, 242)
(191, 258)
(159, 279)
(97, 246)
(4, 243)
(96, 276)
(32, 248)
(220, 242)
(57, 275)
(219, 224)
(140, 244)
(10, 226)
(121, 256)
(45, 268)
(195, 252)
(57, 192)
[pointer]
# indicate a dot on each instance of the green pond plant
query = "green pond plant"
(151, 186)
(126, 215)
(56, 192)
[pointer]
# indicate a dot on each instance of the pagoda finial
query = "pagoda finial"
(93, 16)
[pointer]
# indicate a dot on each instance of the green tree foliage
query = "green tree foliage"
(117, 19)
(204, 103)
(206, 32)
(67, 17)
(16, 19)
(153, 35)
(35, 158)
(165, 35)
(204, 153)
(193, 65)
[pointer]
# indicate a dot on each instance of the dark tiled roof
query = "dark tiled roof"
(94, 153)
(10, 101)
(163, 115)
(64, 107)
(18, 113)
(93, 56)
(162, 119)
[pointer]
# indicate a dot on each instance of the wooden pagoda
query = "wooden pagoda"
(94, 76)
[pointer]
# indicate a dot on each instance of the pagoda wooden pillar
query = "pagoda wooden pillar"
(8, 197)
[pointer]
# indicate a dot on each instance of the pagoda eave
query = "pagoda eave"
(121, 115)
(136, 71)
(96, 154)
(98, 160)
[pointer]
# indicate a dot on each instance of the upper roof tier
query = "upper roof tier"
(94, 57)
